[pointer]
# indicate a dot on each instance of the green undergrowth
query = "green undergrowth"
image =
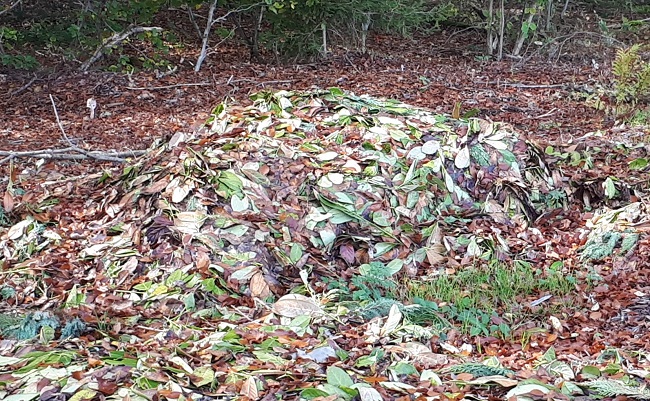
(475, 300)
(492, 286)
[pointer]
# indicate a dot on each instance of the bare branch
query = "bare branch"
(113, 40)
(73, 152)
(208, 26)
(24, 87)
(170, 86)
(58, 121)
(68, 154)
(11, 7)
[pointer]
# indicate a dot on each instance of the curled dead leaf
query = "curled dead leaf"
(292, 305)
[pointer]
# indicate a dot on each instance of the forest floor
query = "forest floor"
(550, 102)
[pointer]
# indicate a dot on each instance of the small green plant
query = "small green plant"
(373, 284)
(123, 64)
(493, 286)
(641, 117)
(631, 78)
(339, 386)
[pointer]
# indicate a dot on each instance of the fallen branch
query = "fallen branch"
(67, 154)
(10, 7)
(73, 152)
(262, 84)
(24, 87)
(112, 41)
(525, 86)
(152, 88)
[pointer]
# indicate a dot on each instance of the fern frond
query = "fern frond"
(478, 369)
(614, 388)
(631, 76)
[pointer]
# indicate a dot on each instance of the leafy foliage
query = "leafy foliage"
(632, 76)
(29, 326)
(298, 27)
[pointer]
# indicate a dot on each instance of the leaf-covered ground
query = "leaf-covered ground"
(221, 264)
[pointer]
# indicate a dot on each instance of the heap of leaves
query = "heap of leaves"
(166, 262)
(321, 179)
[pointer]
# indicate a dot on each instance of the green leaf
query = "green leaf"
(610, 188)
(366, 360)
(189, 301)
(638, 164)
(204, 375)
(549, 355)
(591, 372)
(394, 266)
(311, 393)
(336, 91)
(270, 358)
(402, 368)
(341, 393)
(381, 219)
(338, 377)
(383, 247)
(296, 253)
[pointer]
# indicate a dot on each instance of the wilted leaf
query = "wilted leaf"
(239, 204)
(180, 192)
(327, 156)
(394, 319)
(17, 230)
(249, 389)
(259, 287)
(8, 202)
(347, 253)
(369, 394)
(462, 158)
(83, 395)
(529, 388)
(292, 305)
(431, 147)
(500, 380)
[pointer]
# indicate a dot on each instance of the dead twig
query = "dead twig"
(10, 7)
(152, 88)
(547, 114)
(211, 21)
(73, 152)
(58, 121)
(524, 86)
(24, 87)
(264, 83)
(67, 154)
(46, 154)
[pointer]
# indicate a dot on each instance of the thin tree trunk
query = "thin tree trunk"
(502, 30)
(523, 36)
(206, 36)
(490, 28)
(255, 45)
(549, 15)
